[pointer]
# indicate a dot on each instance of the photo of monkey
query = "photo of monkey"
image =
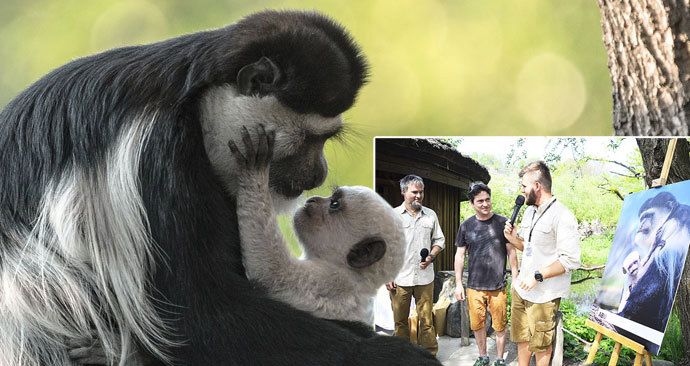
(118, 227)
(647, 258)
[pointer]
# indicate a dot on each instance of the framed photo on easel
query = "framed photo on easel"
(645, 264)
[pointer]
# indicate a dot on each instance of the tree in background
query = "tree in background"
(649, 61)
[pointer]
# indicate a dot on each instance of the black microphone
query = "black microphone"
(519, 201)
(424, 253)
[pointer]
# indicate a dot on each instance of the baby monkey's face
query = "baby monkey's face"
(352, 222)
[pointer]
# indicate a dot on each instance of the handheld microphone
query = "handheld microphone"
(424, 253)
(519, 201)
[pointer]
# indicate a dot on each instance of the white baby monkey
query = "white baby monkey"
(353, 241)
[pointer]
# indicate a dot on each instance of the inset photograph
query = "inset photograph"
(527, 238)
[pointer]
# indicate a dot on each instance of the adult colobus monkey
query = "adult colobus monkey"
(117, 203)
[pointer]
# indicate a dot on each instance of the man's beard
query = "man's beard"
(531, 198)
(416, 205)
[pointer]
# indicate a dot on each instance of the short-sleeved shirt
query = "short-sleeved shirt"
(550, 234)
(421, 231)
(486, 247)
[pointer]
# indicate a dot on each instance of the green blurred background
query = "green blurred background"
(528, 67)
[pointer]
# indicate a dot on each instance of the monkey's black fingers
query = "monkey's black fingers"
(88, 356)
(239, 157)
(263, 154)
(248, 146)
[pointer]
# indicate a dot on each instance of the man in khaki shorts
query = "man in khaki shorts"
(550, 245)
(482, 237)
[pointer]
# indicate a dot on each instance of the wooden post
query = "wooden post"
(593, 349)
(464, 324)
(638, 360)
(557, 353)
(614, 355)
(667, 164)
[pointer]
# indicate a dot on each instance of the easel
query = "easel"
(620, 340)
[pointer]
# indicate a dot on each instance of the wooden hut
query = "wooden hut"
(446, 173)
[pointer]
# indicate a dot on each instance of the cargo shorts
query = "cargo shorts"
(533, 323)
(496, 301)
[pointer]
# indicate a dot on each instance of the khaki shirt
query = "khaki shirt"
(421, 231)
(554, 238)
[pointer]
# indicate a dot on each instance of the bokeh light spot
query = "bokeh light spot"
(550, 92)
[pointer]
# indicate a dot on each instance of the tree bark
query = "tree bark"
(653, 153)
(649, 60)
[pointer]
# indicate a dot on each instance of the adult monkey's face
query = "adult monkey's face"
(296, 85)
(298, 160)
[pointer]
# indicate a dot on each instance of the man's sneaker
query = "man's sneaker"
(500, 362)
(482, 361)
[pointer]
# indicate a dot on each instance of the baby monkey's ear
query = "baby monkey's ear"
(366, 252)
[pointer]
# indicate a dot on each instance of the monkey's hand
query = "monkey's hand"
(256, 219)
(255, 157)
(87, 352)
(91, 352)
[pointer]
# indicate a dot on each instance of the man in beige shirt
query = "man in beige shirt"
(550, 245)
(416, 278)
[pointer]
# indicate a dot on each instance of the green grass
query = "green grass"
(595, 249)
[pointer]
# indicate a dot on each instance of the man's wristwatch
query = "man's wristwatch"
(538, 276)
(432, 256)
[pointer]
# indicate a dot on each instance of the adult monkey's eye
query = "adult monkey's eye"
(335, 204)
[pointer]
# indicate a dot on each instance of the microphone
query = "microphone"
(519, 201)
(424, 253)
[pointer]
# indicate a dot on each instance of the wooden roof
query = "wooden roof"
(429, 158)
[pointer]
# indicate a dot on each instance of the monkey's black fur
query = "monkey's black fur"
(69, 119)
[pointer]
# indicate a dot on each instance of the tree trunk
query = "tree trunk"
(653, 153)
(649, 60)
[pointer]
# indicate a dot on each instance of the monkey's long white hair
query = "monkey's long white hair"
(80, 274)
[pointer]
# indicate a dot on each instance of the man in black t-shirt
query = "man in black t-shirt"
(481, 236)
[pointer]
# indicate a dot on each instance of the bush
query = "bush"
(672, 348)
(572, 348)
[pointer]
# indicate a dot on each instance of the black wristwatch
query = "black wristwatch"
(538, 276)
